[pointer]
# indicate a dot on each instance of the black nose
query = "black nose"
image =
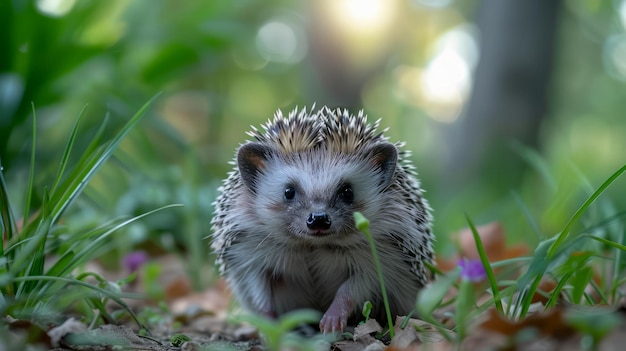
(318, 221)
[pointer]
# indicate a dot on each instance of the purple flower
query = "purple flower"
(134, 260)
(472, 270)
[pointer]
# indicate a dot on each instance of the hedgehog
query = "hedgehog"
(283, 227)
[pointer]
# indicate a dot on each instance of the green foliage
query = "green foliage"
(278, 333)
(491, 278)
(179, 339)
(555, 250)
(366, 310)
(576, 265)
(594, 324)
(27, 36)
(431, 297)
(38, 270)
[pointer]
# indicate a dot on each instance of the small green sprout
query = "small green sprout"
(178, 340)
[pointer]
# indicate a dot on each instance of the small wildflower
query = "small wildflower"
(134, 260)
(472, 270)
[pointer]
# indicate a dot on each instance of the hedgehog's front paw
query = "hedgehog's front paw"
(336, 317)
(334, 320)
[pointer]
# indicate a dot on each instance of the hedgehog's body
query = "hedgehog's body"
(284, 231)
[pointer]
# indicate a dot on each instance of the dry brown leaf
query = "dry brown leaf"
(215, 300)
(366, 343)
(546, 285)
(419, 330)
(177, 288)
(492, 238)
(367, 328)
(71, 325)
(549, 324)
(404, 337)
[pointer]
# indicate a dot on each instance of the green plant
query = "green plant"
(553, 253)
(363, 225)
(585, 266)
(278, 333)
(37, 269)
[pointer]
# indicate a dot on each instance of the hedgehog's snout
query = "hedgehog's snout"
(318, 221)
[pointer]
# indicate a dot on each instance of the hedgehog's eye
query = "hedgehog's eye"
(290, 192)
(345, 193)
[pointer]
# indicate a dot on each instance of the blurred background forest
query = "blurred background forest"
(512, 109)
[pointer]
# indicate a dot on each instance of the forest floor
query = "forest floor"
(200, 320)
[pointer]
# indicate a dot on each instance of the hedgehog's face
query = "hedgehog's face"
(312, 195)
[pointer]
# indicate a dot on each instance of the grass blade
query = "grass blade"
(527, 215)
(68, 149)
(31, 172)
(7, 223)
(79, 257)
(607, 242)
(491, 277)
(536, 161)
(117, 297)
(362, 225)
(99, 161)
(564, 233)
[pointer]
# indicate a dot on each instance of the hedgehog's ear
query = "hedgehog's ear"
(384, 157)
(251, 160)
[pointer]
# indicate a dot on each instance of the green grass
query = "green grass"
(40, 262)
(278, 333)
(571, 260)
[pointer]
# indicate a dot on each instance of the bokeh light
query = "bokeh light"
(614, 56)
(55, 8)
(363, 16)
(446, 80)
(281, 42)
(364, 28)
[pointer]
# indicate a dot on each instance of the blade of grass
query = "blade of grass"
(87, 250)
(607, 242)
(528, 283)
(31, 171)
(362, 225)
(26, 257)
(68, 149)
(61, 264)
(554, 296)
(431, 297)
(7, 223)
(565, 232)
(527, 215)
(106, 153)
(117, 297)
(491, 277)
(617, 261)
(537, 162)
(579, 283)
(37, 263)
(85, 162)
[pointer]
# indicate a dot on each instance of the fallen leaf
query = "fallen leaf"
(549, 324)
(69, 326)
(422, 331)
(108, 337)
(177, 288)
(367, 328)
(492, 237)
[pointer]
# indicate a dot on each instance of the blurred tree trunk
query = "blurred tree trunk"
(509, 94)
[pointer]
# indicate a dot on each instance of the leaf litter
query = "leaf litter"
(201, 318)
